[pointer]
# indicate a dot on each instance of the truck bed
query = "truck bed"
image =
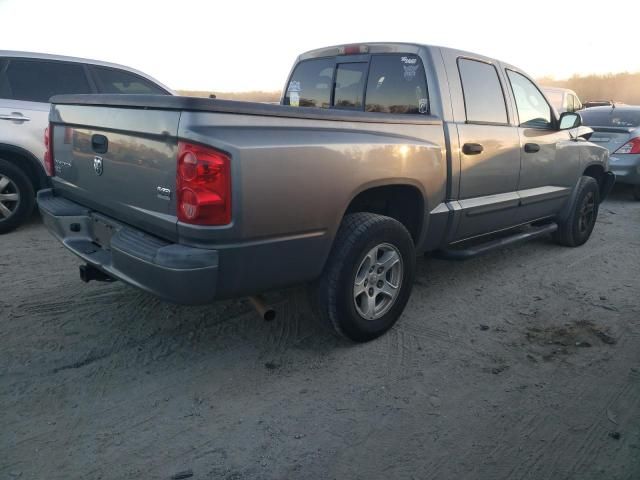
(293, 173)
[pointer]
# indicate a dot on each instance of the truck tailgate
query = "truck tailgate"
(118, 161)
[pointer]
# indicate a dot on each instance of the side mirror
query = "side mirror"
(570, 120)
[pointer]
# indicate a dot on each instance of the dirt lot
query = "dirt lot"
(523, 364)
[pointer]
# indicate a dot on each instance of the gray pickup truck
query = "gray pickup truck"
(379, 152)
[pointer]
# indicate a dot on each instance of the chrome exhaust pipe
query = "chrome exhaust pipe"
(266, 312)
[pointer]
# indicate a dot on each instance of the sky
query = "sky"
(229, 46)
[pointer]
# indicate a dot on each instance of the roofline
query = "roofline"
(397, 47)
(65, 58)
(331, 50)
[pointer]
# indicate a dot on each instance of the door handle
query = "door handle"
(531, 147)
(15, 116)
(99, 143)
(472, 148)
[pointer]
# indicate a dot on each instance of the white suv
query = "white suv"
(27, 81)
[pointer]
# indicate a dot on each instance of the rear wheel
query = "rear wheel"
(368, 277)
(576, 229)
(16, 197)
(636, 192)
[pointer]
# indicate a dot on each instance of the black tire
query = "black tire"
(576, 229)
(636, 192)
(358, 235)
(20, 184)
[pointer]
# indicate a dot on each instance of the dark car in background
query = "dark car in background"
(27, 81)
(598, 103)
(617, 128)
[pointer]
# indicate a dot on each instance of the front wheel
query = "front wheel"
(576, 229)
(368, 277)
(636, 192)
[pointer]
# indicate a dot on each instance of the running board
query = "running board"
(473, 251)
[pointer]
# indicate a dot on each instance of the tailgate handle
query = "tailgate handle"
(99, 143)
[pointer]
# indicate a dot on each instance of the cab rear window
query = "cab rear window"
(349, 87)
(311, 84)
(397, 84)
(386, 83)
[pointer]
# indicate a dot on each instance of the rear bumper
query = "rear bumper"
(175, 272)
(626, 168)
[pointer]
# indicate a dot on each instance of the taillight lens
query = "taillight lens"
(203, 185)
(48, 152)
(632, 146)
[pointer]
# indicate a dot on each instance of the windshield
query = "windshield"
(611, 117)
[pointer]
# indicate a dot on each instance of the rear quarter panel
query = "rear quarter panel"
(296, 177)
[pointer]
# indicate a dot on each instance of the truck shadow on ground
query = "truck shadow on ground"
(119, 318)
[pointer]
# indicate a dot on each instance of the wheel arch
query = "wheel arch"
(391, 197)
(27, 162)
(597, 172)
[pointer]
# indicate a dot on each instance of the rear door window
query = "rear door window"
(396, 84)
(38, 80)
(483, 96)
(4, 86)
(111, 80)
(311, 83)
(349, 89)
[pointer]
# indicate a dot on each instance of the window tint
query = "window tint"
(397, 84)
(111, 80)
(37, 81)
(350, 85)
(310, 84)
(483, 96)
(533, 109)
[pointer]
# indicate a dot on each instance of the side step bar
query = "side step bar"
(475, 250)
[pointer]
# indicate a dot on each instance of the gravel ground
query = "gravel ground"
(522, 364)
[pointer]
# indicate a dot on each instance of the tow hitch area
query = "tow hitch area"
(88, 273)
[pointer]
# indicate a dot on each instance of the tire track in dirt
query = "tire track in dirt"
(286, 334)
(627, 393)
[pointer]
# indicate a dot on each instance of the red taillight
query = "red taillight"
(203, 185)
(632, 146)
(48, 152)
(353, 49)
